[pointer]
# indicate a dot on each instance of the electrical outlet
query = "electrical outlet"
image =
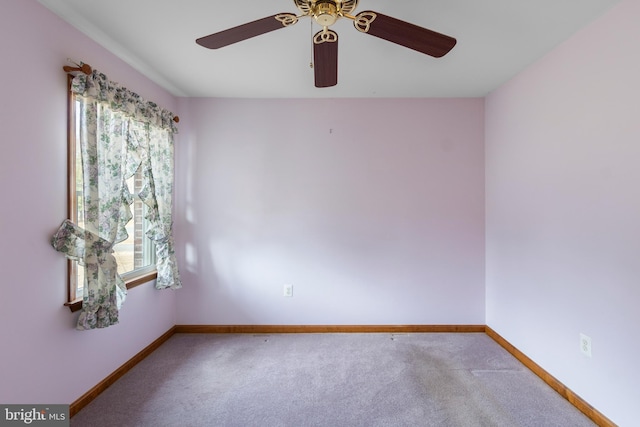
(585, 345)
(288, 290)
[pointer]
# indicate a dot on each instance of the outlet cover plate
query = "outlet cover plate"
(585, 345)
(288, 290)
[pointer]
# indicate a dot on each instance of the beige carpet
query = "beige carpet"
(296, 380)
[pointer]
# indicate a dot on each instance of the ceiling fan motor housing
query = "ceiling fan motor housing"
(326, 12)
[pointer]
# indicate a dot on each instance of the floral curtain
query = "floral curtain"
(119, 133)
(157, 194)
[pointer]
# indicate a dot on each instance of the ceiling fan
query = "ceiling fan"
(325, 41)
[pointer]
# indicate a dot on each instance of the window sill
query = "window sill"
(131, 283)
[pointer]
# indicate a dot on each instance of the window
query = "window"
(136, 255)
(119, 231)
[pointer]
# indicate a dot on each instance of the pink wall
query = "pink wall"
(373, 210)
(563, 211)
(43, 359)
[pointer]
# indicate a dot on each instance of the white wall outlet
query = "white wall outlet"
(585, 345)
(288, 290)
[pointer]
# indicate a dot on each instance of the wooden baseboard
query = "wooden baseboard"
(310, 329)
(595, 416)
(86, 398)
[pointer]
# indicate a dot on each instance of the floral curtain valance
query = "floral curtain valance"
(97, 86)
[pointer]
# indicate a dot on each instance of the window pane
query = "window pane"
(77, 203)
(137, 251)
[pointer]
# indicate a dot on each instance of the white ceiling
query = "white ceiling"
(496, 40)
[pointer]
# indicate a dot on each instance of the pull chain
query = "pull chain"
(311, 38)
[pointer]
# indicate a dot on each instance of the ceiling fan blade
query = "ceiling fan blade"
(325, 58)
(404, 33)
(247, 31)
